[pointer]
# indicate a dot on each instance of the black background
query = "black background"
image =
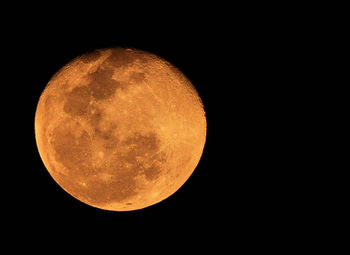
(232, 57)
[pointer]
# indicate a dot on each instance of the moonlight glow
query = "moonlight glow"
(120, 129)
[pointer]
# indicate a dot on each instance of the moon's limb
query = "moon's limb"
(120, 129)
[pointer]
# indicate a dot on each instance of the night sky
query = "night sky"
(225, 55)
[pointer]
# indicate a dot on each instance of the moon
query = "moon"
(120, 129)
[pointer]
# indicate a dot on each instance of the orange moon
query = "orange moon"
(120, 129)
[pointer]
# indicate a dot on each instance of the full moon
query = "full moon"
(120, 129)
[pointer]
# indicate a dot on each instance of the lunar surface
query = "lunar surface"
(120, 129)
